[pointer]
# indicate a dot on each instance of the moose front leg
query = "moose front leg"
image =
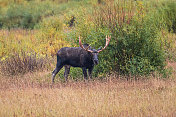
(90, 72)
(85, 73)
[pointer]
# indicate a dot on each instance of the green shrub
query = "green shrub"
(136, 42)
(136, 45)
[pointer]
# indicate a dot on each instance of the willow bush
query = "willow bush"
(136, 47)
(21, 63)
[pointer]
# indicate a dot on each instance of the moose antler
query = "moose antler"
(108, 38)
(80, 44)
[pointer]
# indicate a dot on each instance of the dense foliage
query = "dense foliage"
(137, 45)
(140, 31)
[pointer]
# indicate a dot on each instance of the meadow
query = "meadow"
(136, 72)
(33, 96)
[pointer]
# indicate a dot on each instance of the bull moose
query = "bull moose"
(84, 57)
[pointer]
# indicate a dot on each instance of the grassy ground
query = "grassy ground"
(32, 95)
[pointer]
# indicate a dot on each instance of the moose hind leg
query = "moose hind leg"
(67, 71)
(57, 69)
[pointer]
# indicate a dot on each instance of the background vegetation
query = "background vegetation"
(143, 33)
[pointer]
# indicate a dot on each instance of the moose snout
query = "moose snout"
(95, 61)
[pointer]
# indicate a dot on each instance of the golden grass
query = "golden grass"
(32, 96)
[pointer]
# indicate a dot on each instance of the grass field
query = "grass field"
(33, 95)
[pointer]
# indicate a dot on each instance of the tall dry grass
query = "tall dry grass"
(32, 95)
